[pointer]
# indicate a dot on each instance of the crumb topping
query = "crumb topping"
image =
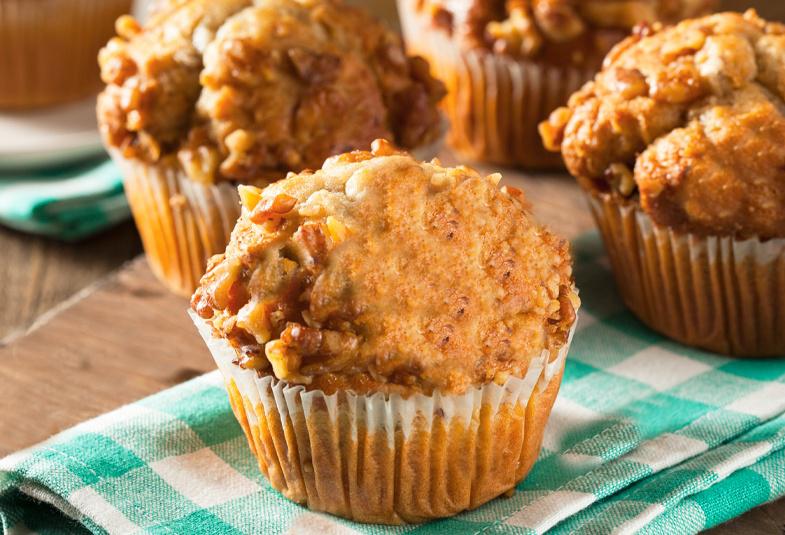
(381, 273)
(689, 122)
(577, 31)
(241, 89)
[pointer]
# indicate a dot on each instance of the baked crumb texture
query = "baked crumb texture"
(239, 89)
(689, 122)
(556, 31)
(380, 273)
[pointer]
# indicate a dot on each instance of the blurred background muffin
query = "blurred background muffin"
(508, 63)
(209, 94)
(679, 144)
(48, 48)
(392, 334)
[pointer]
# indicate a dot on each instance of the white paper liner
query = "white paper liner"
(717, 293)
(182, 223)
(397, 421)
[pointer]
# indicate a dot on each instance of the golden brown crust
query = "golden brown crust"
(689, 121)
(379, 273)
(236, 89)
(580, 31)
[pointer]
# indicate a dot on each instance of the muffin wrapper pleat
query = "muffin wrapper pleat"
(48, 48)
(495, 103)
(385, 458)
(716, 293)
(183, 222)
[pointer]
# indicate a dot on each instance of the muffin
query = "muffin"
(392, 334)
(43, 61)
(678, 143)
(509, 63)
(215, 93)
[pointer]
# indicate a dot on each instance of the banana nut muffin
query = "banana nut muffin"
(392, 334)
(239, 88)
(679, 144)
(509, 63)
(211, 93)
(378, 273)
(689, 122)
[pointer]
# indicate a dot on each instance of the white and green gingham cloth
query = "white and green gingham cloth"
(646, 436)
(68, 203)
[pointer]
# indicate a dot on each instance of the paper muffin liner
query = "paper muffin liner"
(385, 459)
(495, 103)
(48, 48)
(715, 293)
(182, 222)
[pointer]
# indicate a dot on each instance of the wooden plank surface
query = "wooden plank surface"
(38, 273)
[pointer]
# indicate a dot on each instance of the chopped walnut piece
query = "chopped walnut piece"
(555, 31)
(272, 209)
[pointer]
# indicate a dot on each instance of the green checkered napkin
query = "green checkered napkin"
(646, 436)
(69, 203)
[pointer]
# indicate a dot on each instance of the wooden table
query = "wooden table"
(123, 336)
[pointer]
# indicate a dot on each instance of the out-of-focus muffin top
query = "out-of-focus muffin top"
(690, 121)
(558, 31)
(242, 89)
(381, 273)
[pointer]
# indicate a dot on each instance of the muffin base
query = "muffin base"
(389, 459)
(182, 222)
(495, 103)
(43, 60)
(715, 293)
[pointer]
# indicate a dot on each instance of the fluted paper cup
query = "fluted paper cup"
(712, 292)
(48, 48)
(494, 102)
(385, 458)
(182, 222)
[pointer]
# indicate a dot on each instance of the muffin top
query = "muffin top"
(689, 121)
(576, 31)
(379, 273)
(241, 90)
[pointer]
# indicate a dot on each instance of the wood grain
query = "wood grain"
(38, 273)
(127, 338)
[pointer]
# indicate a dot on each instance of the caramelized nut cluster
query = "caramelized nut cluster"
(688, 121)
(381, 273)
(557, 29)
(241, 90)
